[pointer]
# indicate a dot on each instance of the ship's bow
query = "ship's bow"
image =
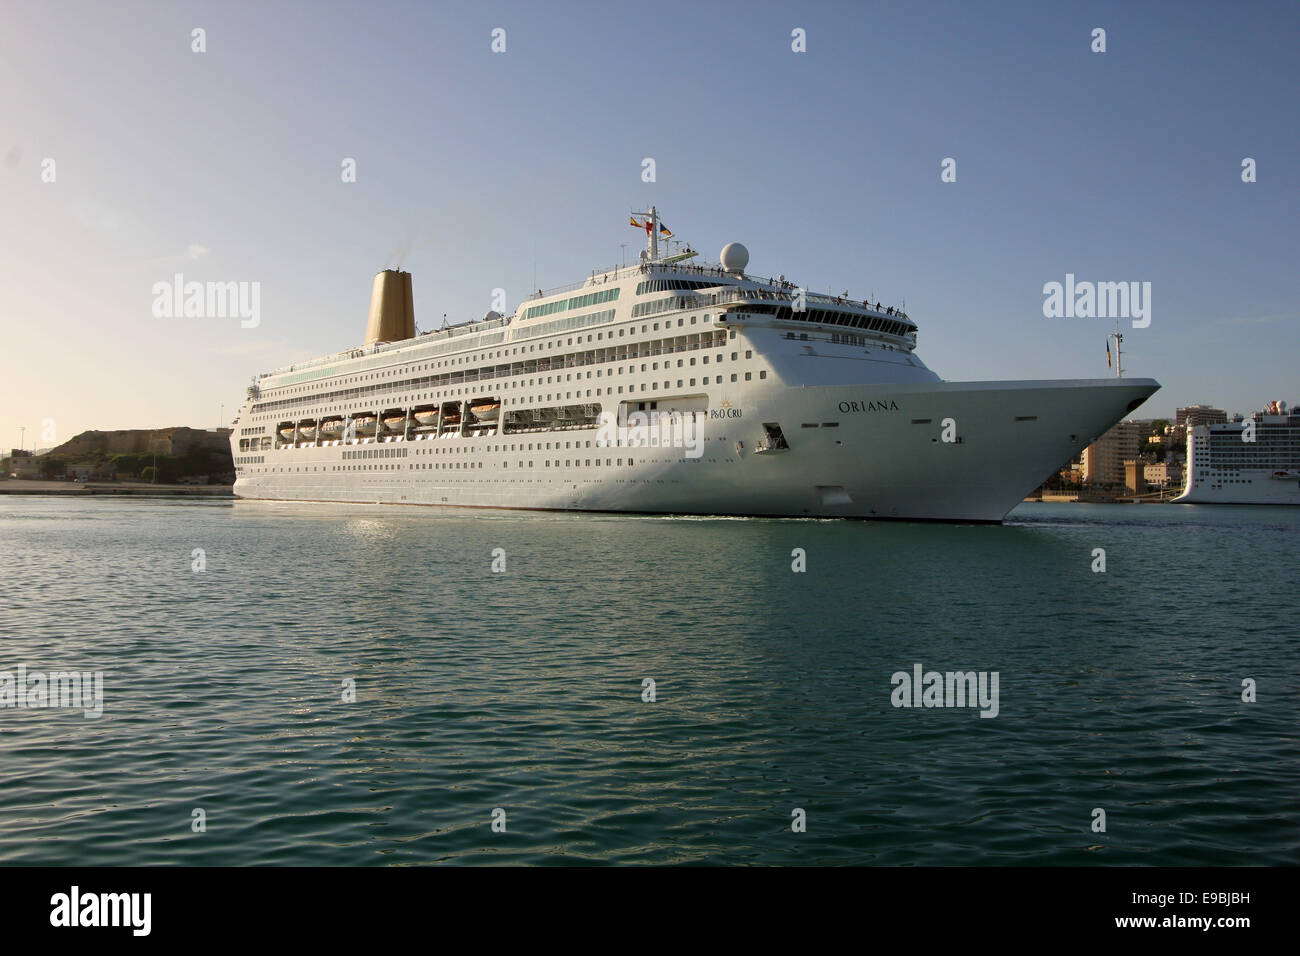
(949, 451)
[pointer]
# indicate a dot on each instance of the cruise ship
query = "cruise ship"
(1255, 461)
(669, 386)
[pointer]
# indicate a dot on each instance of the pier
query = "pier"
(139, 489)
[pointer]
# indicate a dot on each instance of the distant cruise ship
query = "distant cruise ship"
(663, 387)
(1252, 462)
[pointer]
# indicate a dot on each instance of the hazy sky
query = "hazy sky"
(492, 167)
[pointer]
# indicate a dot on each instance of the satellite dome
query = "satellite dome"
(490, 315)
(735, 257)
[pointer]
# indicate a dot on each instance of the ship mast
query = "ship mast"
(1119, 355)
(651, 225)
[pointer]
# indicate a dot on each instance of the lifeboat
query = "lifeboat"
(426, 416)
(307, 430)
(287, 430)
(365, 424)
(395, 422)
(331, 427)
(486, 411)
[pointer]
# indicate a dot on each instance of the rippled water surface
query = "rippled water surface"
(522, 690)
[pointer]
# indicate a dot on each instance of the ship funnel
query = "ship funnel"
(392, 312)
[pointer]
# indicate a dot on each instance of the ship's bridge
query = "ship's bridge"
(801, 306)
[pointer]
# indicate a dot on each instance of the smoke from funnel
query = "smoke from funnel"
(410, 243)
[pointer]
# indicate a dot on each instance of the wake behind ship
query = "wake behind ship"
(662, 387)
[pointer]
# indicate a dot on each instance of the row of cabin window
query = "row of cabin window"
(565, 325)
(670, 304)
(499, 354)
(653, 386)
(465, 465)
(576, 302)
(381, 451)
(667, 285)
(485, 373)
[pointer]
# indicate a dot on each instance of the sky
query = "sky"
(480, 170)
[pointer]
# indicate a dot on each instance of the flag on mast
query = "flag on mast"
(1108, 351)
(646, 225)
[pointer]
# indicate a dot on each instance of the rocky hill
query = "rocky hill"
(177, 452)
(177, 440)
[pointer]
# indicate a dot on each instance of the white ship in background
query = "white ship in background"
(663, 387)
(1251, 462)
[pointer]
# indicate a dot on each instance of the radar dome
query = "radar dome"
(735, 257)
(490, 315)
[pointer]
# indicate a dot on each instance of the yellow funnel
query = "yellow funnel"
(392, 312)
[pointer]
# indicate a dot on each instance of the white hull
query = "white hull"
(1249, 488)
(800, 404)
(876, 463)
(1227, 465)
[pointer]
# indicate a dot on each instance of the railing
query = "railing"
(777, 290)
(615, 273)
(703, 341)
(480, 325)
(567, 287)
(464, 328)
(765, 295)
(780, 286)
(612, 274)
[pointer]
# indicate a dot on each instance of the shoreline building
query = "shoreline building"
(1191, 416)
(1165, 474)
(1103, 462)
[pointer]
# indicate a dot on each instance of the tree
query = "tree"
(125, 464)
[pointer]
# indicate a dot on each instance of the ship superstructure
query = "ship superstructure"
(1254, 461)
(666, 386)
